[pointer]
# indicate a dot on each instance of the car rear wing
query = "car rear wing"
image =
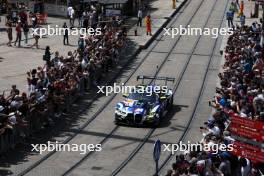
(166, 79)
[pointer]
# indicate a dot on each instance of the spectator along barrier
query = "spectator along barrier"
(54, 87)
(238, 118)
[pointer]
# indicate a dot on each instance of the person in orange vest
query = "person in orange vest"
(241, 9)
(173, 4)
(148, 24)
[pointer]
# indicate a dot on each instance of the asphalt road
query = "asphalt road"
(172, 55)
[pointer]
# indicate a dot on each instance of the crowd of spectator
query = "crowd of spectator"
(52, 86)
(241, 93)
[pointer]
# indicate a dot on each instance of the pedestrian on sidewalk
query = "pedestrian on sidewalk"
(85, 23)
(241, 9)
(9, 33)
(173, 4)
(71, 16)
(69, 9)
(36, 36)
(79, 15)
(148, 25)
(242, 20)
(233, 7)
(26, 30)
(47, 56)
(237, 4)
(66, 34)
(18, 33)
(229, 18)
(34, 20)
(140, 15)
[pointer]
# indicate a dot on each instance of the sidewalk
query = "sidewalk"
(15, 62)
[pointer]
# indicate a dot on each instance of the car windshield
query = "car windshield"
(143, 97)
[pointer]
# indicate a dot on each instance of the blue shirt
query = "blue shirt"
(229, 15)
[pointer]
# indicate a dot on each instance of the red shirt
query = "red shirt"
(18, 29)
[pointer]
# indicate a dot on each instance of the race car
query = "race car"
(147, 107)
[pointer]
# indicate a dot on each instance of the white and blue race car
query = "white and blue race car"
(145, 107)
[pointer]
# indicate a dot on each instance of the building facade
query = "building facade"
(59, 7)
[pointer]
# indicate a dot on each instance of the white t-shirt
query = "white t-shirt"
(69, 10)
(139, 14)
(71, 13)
(215, 131)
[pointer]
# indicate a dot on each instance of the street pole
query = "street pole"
(157, 168)
(156, 155)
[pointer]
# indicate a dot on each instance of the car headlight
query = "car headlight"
(151, 114)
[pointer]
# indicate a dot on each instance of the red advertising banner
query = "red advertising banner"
(249, 133)
(253, 130)
(253, 156)
(252, 148)
(247, 122)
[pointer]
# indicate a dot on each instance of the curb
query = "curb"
(163, 25)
